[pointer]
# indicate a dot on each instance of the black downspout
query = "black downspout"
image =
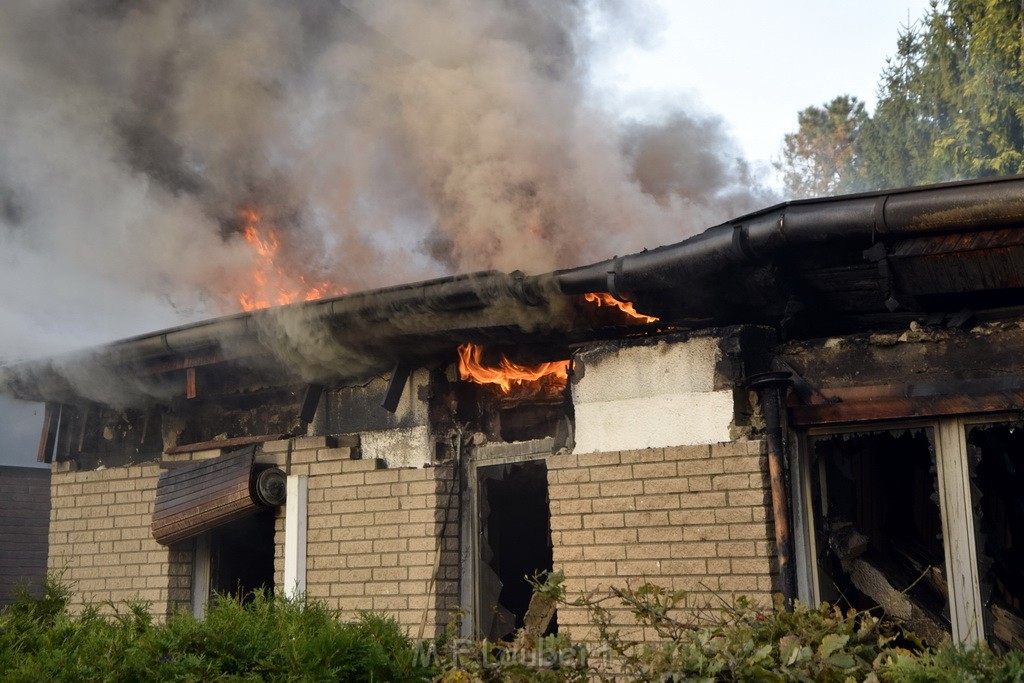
(772, 388)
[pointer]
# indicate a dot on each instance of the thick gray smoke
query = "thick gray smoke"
(387, 141)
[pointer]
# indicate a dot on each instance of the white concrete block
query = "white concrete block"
(651, 396)
(664, 368)
(411, 447)
(653, 422)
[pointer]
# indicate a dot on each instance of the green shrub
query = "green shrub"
(260, 639)
(737, 641)
(951, 663)
(272, 639)
(741, 641)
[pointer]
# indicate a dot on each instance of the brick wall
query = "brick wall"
(24, 524)
(693, 518)
(100, 538)
(377, 538)
(689, 517)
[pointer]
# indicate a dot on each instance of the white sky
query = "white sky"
(756, 64)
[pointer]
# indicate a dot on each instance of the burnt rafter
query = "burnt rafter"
(895, 297)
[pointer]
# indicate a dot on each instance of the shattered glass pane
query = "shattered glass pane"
(879, 526)
(996, 453)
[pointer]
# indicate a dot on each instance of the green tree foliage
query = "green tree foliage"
(950, 107)
(821, 157)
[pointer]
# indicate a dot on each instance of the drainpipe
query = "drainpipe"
(772, 388)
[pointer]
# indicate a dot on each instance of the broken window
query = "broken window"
(880, 525)
(234, 559)
(996, 460)
(514, 542)
(242, 555)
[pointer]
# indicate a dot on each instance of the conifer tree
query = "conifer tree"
(950, 107)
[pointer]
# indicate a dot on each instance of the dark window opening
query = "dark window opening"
(996, 453)
(516, 417)
(877, 506)
(515, 543)
(95, 435)
(534, 420)
(242, 556)
(232, 410)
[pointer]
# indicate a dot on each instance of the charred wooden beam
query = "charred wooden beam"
(1007, 627)
(399, 378)
(222, 443)
(190, 383)
(966, 387)
(894, 408)
(333, 441)
(310, 401)
(873, 583)
(51, 418)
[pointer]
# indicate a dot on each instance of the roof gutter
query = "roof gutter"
(974, 205)
(361, 322)
(452, 295)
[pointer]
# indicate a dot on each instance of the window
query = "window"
(236, 558)
(921, 517)
(996, 460)
(880, 524)
(506, 537)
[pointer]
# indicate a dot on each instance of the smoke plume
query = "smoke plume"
(386, 141)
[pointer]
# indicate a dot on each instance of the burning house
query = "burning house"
(821, 398)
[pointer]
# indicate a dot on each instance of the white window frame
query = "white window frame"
(955, 505)
(201, 575)
(296, 520)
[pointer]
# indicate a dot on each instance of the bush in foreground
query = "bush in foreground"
(265, 639)
(272, 639)
(730, 642)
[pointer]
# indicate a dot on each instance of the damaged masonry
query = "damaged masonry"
(822, 398)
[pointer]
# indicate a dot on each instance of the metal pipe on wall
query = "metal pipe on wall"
(772, 389)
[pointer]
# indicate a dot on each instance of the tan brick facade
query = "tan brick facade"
(691, 518)
(379, 539)
(100, 538)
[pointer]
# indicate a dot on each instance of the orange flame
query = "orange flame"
(271, 285)
(604, 299)
(507, 374)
